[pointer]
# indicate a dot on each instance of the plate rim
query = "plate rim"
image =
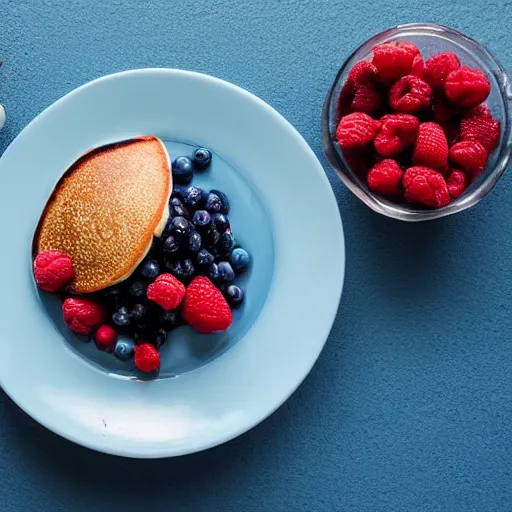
(293, 386)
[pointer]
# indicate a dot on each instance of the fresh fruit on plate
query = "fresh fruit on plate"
(128, 271)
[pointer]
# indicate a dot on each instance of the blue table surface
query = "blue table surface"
(409, 407)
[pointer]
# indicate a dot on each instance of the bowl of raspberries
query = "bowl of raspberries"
(417, 122)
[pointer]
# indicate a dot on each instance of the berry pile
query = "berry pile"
(416, 130)
(187, 277)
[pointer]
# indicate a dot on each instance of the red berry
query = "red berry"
(478, 125)
(362, 72)
(355, 130)
(438, 67)
(467, 87)
(418, 66)
(431, 148)
(205, 308)
(456, 183)
(398, 131)
(425, 186)
(480, 112)
(53, 271)
(410, 94)
(386, 178)
(105, 337)
(470, 156)
(147, 358)
(358, 97)
(82, 315)
(166, 291)
(360, 93)
(394, 60)
(366, 99)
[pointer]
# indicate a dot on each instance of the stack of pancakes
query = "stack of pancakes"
(105, 210)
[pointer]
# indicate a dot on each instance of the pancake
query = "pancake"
(105, 210)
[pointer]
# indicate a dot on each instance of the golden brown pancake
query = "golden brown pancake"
(105, 210)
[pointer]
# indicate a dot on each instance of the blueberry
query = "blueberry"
(211, 237)
(137, 289)
(194, 241)
(171, 244)
(240, 259)
(176, 208)
(180, 226)
(226, 243)
(137, 312)
(202, 219)
(221, 221)
(226, 272)
(223, 199)
(193, 196)
(188, 268)
(168, 319)
(121, 317)
(213, 272)
(213, 203)
(181, 269)
(160, 338)
(204, 257)
(202, 158)
(234, 295)
(179, 191)
(182, 170)
(124, 349)
(150, 269)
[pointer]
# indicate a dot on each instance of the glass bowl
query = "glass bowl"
(429, 39)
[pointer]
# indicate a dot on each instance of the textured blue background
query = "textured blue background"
(409, 407)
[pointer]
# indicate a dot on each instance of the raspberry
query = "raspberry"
(480, 112)
(394, 60)
(467, 87)
(479, 126)
(456, 183)
(366, 99)
(470, 156)
(356, 130)
(166, 291)
(438, 67)
(425, 186)
(147, 358)
(386, 178)
(360, 94)
(417, 66)
(359, 97)
(53, 271)
(396, 133)
(105, 338)
(410, 94)
(82, 315)
(431, 148)
(362, 72)
(205, 308)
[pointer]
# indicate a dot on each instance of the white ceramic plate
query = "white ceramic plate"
(211, 388)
